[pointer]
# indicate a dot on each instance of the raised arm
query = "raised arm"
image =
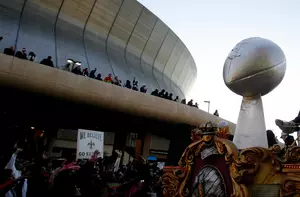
(11, 165)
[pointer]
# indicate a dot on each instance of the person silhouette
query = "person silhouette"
(216, 113)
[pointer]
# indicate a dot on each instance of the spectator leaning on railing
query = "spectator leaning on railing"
(108, 79)
(22, 54)
(9, 51)
(47, 62)
(75, 67)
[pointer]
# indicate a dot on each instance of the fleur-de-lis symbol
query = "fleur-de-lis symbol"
(235, 52)
(91, 144)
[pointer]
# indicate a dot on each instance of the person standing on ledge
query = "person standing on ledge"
(47, 62)
(108, 79)
(216, 113)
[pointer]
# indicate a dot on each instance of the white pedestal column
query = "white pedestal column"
(250, 130)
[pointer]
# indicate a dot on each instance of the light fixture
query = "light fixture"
(32, 128)
(208, 102)
(78, 63)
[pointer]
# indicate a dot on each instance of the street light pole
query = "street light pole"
(208, 103)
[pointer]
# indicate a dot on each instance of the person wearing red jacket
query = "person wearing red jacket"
(108, 79)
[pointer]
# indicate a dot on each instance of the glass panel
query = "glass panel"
(69, 31)
(9, 21)
(97, 28)
(36, 29)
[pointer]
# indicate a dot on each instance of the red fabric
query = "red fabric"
(108, 79)
(94, 157)
(132, 191)
(70, 166)
(38, 133)
(46, 174)
(217, 161)
(6, 184)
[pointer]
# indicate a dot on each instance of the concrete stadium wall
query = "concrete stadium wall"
(121, 37)
(38, 78)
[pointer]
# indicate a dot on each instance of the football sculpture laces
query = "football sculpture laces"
(252, 69)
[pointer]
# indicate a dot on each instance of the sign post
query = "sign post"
(88, 142)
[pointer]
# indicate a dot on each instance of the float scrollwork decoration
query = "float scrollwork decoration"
(292, 155)
(171, 181)
(224, 147)
(291, 185)
(180, 184)
(250, 166)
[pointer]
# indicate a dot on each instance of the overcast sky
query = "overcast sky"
(210, 29)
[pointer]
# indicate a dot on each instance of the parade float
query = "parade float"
(215, 166)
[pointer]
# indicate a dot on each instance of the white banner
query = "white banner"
(88, 142)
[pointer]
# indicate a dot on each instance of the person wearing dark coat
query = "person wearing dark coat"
(31, 56)
(77, 70)
(162, 93)
(9, 51)
(128, 84)
(190, 103)
(99, 77)
(22, 54)
(271, 138)
(143, 88)
(216, 113)
(176, 99)
(155, 92)
(92, 73)
(47, 62)
(85, 72)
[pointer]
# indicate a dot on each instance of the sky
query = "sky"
(211, 29)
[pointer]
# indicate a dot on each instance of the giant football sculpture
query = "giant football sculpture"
(214, 166)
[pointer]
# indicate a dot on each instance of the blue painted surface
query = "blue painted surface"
(151, 158)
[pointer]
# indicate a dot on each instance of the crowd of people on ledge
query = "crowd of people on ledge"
(166, 95)
(76, 68)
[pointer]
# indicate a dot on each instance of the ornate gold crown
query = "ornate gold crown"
(208, 128)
